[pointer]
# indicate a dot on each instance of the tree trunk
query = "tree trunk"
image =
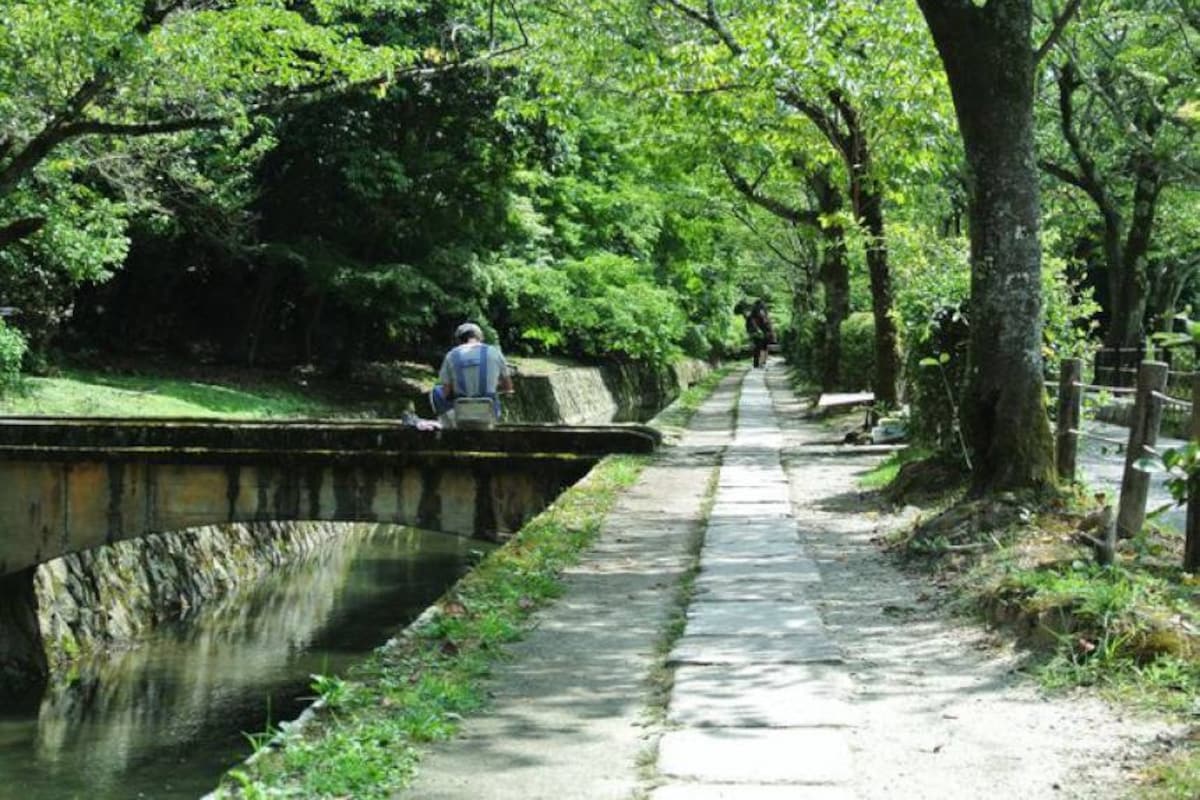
(835, 278)
(989, 62)
(887, 353)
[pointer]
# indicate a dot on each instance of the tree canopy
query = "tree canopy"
(334, 180)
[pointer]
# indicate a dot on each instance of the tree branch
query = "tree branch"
(797, 216)
(1062, 173)
(710, 20)
(745, 219)
(1060, 25)
(37, 148)
(1068, 82)
(20, 229)
(99, 128)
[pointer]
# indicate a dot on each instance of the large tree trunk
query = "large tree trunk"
(989, 62)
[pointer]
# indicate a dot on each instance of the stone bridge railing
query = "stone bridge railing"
(68, 485)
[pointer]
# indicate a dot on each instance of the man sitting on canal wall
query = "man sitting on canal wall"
(472, 376)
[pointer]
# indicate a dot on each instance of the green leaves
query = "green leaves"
(941, 360)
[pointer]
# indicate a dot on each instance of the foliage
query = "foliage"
(886, 471)
(1116, 138)
(92, 93)
(858, 351)
(931, 298)
(601, 305)
(12, 351)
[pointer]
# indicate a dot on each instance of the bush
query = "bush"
(858, 351)
(12, 351)
(598, 306)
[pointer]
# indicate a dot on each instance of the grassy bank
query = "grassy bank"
(96, 393)
(364, 737)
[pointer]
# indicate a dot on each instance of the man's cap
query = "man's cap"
(467, 330)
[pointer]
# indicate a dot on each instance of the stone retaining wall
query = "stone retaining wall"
(116, 593)
(593, 395)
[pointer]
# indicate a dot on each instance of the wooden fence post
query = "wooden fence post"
(1191, 547)
(1070, 396)
(1143, 432)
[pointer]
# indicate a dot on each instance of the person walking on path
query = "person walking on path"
(758, 328)
(472, 377)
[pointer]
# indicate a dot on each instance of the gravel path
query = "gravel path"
(942, 711)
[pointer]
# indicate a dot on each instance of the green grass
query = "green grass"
(88, 393)
(1177, 778)
(886, 471)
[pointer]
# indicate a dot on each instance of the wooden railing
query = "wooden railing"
(1150, 400)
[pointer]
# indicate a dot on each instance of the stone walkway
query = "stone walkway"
(758, 695)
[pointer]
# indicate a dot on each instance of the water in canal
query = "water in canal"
(167, 718)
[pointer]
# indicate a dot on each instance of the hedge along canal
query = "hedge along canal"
(166, 717)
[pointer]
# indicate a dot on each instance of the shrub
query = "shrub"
(597, 306)
(12, 351)
(858, 351)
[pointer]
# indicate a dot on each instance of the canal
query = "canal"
(166, 718)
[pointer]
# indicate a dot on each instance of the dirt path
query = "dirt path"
(941, 709)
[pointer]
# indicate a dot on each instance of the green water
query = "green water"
(165, 719)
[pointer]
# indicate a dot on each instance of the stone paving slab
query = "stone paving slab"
(777, 565)
(761, 695)
(756, 547)
(776, 527)
(796, 648)
(790, 570)
(758, 493)
(757, 755)
(745, 791)
(740, 592)
(741, 477)
(731, 512)
(734, 535)
(710, 617)
(756, 474)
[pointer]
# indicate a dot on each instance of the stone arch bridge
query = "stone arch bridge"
(72, 484)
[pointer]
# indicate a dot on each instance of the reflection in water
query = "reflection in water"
(167, 718)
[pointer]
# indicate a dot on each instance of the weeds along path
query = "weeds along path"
(940, 707)
(568, 716)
